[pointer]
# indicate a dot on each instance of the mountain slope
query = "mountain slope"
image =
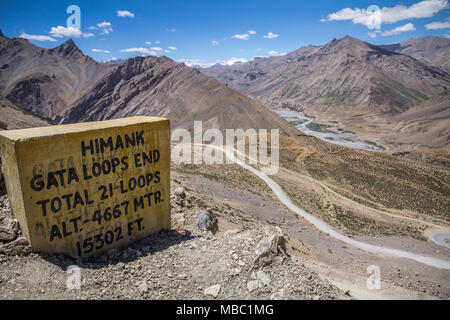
(15, 118)
(45, 81)
(351, 76)
(434, 51)
(62, 85)
(240, 76)
(426, 124)
(361, 86)
(161, 87)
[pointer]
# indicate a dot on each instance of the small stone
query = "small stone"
(252, 285)
(264, 278)
(235, 271)
(143, 287)
(178, 223)
(179, 192)
(231, 232)
(212, 291)
(182, 276)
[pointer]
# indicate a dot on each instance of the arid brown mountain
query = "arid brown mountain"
(350, 81)
(12, 117)
(434, 51)
(45, 82)
(62, 85)
(240, 76)
(427, 124)
(161, 87)
(351, 76)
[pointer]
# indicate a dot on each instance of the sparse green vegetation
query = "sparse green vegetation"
(319, 127)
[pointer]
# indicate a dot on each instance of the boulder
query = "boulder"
(206, 221)
(20, 246)
(9, 229)
(270, 250)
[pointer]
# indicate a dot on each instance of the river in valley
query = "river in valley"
(328, 132)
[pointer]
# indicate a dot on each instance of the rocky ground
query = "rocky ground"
(226, 242)
(204, 256)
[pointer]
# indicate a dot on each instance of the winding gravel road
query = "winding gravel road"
(322, 226)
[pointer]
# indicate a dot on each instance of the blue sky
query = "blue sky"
(209, 31)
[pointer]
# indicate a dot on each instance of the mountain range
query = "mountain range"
(62, 85)
(358, 84)
(394, 94)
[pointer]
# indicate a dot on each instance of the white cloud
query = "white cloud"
(258, 50)
(112, 59)
(251, 32)
(204, 64)
(148, 42)
(244, 36)
(196, 62)
(100, 50)
(60, 31)
(232, 61)
(167, 51)
(103, 24)
(107, 31)
(172, 48)
(172, 30)
(447, 35)
(423, 9)
(36, 37)
(271, 35)
(156, 48)
(140, 50)
(157, 41)
(215, 43)
(125, 13)
(372, 34)
(273, 53)
(437, 25)
(400, 29)
(92, 28)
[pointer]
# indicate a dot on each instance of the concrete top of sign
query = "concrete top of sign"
(23, 134)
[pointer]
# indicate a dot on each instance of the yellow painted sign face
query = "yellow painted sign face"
(85, 188)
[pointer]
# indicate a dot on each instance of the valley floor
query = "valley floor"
(343, 265)
(170, 265)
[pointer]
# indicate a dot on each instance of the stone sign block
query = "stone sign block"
(85, 188)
